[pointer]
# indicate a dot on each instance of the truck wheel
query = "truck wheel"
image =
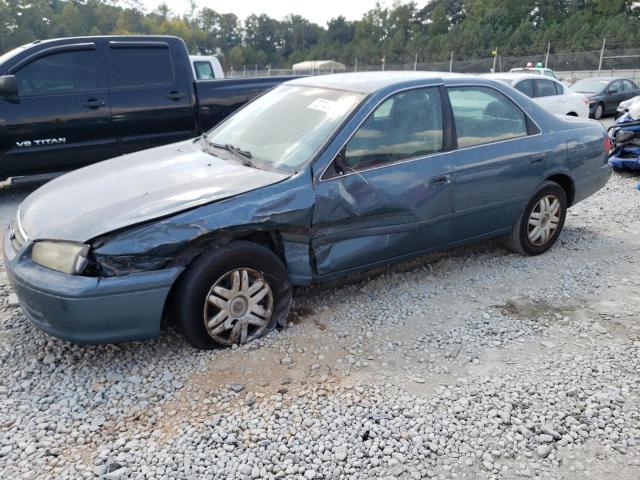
(541, 222)
(599, 111)
(232, 295)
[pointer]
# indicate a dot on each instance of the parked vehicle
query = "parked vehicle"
(206, 67)
(318, 178)
(547, 72)
(605, 93)
(625, 136)
(70, 102)
(548, 93)
(625, 106)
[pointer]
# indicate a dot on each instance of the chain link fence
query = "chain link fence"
(570, 67)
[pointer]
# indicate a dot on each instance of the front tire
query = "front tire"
(232, 295)
(541, 222)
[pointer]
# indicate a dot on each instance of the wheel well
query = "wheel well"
(270, 240)
(567, 185)
(572, 114)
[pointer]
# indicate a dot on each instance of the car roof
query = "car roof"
(109, 37)
(605, 79)
(532, 69)
(517, 76)
(369, 82)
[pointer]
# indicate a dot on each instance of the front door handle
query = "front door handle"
(440, 180)
(537, 158)
(176, 95)
(94, 103)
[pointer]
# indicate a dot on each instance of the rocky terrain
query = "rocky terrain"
(475, 363)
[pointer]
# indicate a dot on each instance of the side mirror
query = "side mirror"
(8, 86)
(340, 166)
(613, 90)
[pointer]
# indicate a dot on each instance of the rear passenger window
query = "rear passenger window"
(134, 67)
(203, 71)
(483, 115)
(407, 125)
(545, 88)
(62, 72)
(526, 87)
(628, 86)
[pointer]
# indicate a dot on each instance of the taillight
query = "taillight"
(586, 101)
(607, 144)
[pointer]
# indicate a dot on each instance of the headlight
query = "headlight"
(67, 257)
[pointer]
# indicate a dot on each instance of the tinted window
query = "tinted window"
(483, 115)
(140, 66)
(410, 126)
(559, 88)
(545, 88)
(617, 85)
(63, 72)
(526, 87)
(203, 70)
(628, 85)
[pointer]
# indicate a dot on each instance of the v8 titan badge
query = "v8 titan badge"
(41, 142)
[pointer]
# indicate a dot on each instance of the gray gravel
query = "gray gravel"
(477, 363)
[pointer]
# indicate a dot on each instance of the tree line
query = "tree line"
(399, 33)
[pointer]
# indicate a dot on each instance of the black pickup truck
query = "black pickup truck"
(70, 102)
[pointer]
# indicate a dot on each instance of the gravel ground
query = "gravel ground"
(477, 363)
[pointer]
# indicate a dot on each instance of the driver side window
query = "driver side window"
(406, 125)
(60, 72)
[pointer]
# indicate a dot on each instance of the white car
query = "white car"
(550, 94)
(626, 105)
(206, 67)
(547, 72)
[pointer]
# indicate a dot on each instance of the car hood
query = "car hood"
(134, 188)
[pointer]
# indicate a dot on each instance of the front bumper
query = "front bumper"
(89, 309)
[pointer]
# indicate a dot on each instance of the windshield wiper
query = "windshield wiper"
(245, 155)
(238, 150)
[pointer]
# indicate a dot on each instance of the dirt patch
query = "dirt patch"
(534, 310)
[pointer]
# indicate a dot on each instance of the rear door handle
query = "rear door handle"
(94, 103)
(176, 95)
(440, 180)
(537, 158)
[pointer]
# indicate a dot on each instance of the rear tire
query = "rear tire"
(541, 222)
(232, 295)
(599, 111)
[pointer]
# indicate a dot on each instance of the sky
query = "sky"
(318, 11)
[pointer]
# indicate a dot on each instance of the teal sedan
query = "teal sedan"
(319, 178)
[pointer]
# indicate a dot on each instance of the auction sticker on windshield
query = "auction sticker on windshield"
(322, 105)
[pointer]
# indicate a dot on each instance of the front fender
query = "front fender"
(176, 240)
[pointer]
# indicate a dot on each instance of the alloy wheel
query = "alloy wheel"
(599, 112)
(238, 306)
(544, 220)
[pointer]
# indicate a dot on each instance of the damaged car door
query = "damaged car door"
(387, 193)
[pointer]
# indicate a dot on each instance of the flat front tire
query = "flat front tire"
(541, 222)
(232, 295)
